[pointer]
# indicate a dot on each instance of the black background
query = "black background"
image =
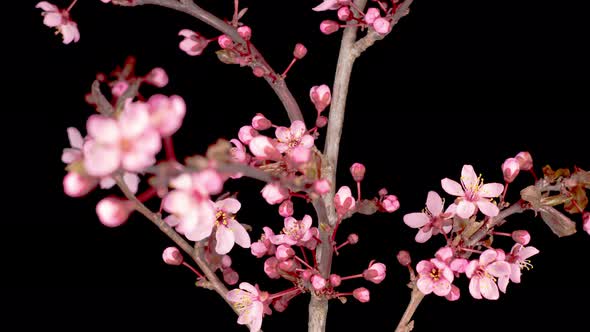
(458, 82)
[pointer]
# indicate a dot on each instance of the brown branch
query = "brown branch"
(406, 324)
(189, 7)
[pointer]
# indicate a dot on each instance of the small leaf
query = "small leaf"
(560, 224)
(242, 12)
(367, 207)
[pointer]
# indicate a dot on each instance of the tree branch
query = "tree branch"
(406, 324)
(189, 7)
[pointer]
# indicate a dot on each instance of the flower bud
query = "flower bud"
(225, 42)
(586, 222)
(119, 88)
(382, 192)
(404, 258)
(245, 32)
(273, 193)
(157, 77)
(371, 15)
(286, 209)
(521, 236)
(358, 172)
(306, 275)
(270, 268)
(525, 160)
(454, 294)
(320, 96)
(225, 261)
(172, 256)
(246, 134)
(344, 14)
(288, 265)
(335, 280)
(390, 203)
(328, 27)
(375, 273)
(284, 252)
(76, 185)
(361, 294)
(112, 211)
(321, 121)
(260, 122)
(382, 26)
(230, 276)
(353, 238)
(300, 51)
(281, 304)
(321, 186)
(317, 282)
(510, 168)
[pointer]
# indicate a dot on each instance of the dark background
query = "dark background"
(458, 82)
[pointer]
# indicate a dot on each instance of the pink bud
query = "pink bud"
(382, 192)
(284, 252)
(245, 32)
(586, 222)
(112, 211)
(225, 42)
(225, 261)
(375, 273)
(281, 304)
(362, 294)
(371, 15)
(521, 236)
(300, 51)
(273, 193)
(270, 268)
(525, 160)
(172, 256)
(510, 168)
(344, 14)
(260, 122)
(329, 27)
(246, 134)
(321, 121)
(501, 255)
(230, 276)
(286, 209)
(317, 282)
(306, 275)
(390, 203)
(404, 258)
(157, 77)
(321, 186)
(76, 185)
(320, 96)
(382, 26)
(454, 294)
(358, 172)
(353, 238)
(459, 265)
(335, 280)
(119, 88)
(264, 148)
(288, 265)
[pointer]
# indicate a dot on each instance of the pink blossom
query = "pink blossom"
(343, 200)
(289, 139)
(510, 168)
(128, 141)
(238, 152)
(246, 134)
(586, 222)
(172, 256)
(271, 266)
(525, 160)
(361, 294)
(289, 265)
(435, 276)
(320, 96)
(312, 243)
(260, 122)
(329, 5)
(249, 305)
(482, 273)
(273, 193)
(55, 17)
(375, 273)
(113, 212)
(78, 185)
(518, 259)
(473, 193)
(264, 246)
(284, 252)
(157, 77)
(294, 232)
(432, 220)
(193, 43)
(390, 203)
(166, 113)
(264, 148)
(229, 231)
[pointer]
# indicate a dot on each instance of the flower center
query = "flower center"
(471, 192)
(435, 274)
(525, 264)
(221, 218)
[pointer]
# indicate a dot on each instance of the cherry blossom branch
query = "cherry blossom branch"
(492, 222)
(189, 7)
(195, 253)
(406, 324)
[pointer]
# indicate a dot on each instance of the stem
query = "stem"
(146, 195)
(71, 5)
(283, 293)
(405, 323)
(189, 7)
(284, 74)
(169, 148)
(483, 231)
(358, 191)
(194, 270)
(354, 276)
(303, 262)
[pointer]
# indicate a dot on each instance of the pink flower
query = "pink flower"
(375, 273)
(247, 301)
(482, 273)
(586, 222)
(271, 268)
(294, 232)
(436, 275)
(193, 214)
(284, 252)
(518, 259)
(264, 148)
(166, 113)
(260, 122)
(238, 152)
(54, 17)
(273, 193)
(473, 193)
(329, 5)
(390, 203)
(229, 231)
(264, 246)
(320, 96)
(432, 221)
(193, 43)
(371, 15)
(172, 256)
(343, 201)
(294, 141)
(128, 141)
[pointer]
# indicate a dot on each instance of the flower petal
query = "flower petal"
(298, 129)
(488, 208)
(452, 187)
(434, 203)
(468, 177)
(499, 269)
(527, 252)
(490, 190)
(423, 236)
(75, 138)
(465, 209)
(225, 240)
(474, 288)
(416, 219)
(229, 205)
(487, 257)
(241, 236)
(442, 287)
(425, 285)
(489, 289)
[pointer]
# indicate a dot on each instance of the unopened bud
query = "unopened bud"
(358, 172)
(335, 280)
(225, 42)
(317, 282)
(321, 121)
(344, 14)
(300, 51)
(157, 77)
(382, 26)
(112, 211)
(286, 209)
(390, 203)
(258, 71)
(172, 256)
(521, 236)
(225, 261)
(404, 258)
(245, 32)
(353, 238)
(525, 160)
(260, 122)
(230, 276)
(510, 168)
(76, 185)
(328, 27)
(361, 294)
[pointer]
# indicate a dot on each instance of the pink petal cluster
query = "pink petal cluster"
(249, 305)
(166, 113)
(273, 193)
(483, 274)
(320, 96)
(229, 231)
(294, 232)
(54, 17)
(375, 273)
(436, 276)
(193, 43)
(518, 260)
(264, 246)
(472, 194)
(128, 141)
(343, 201)
(432, 221)
(295, 141)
